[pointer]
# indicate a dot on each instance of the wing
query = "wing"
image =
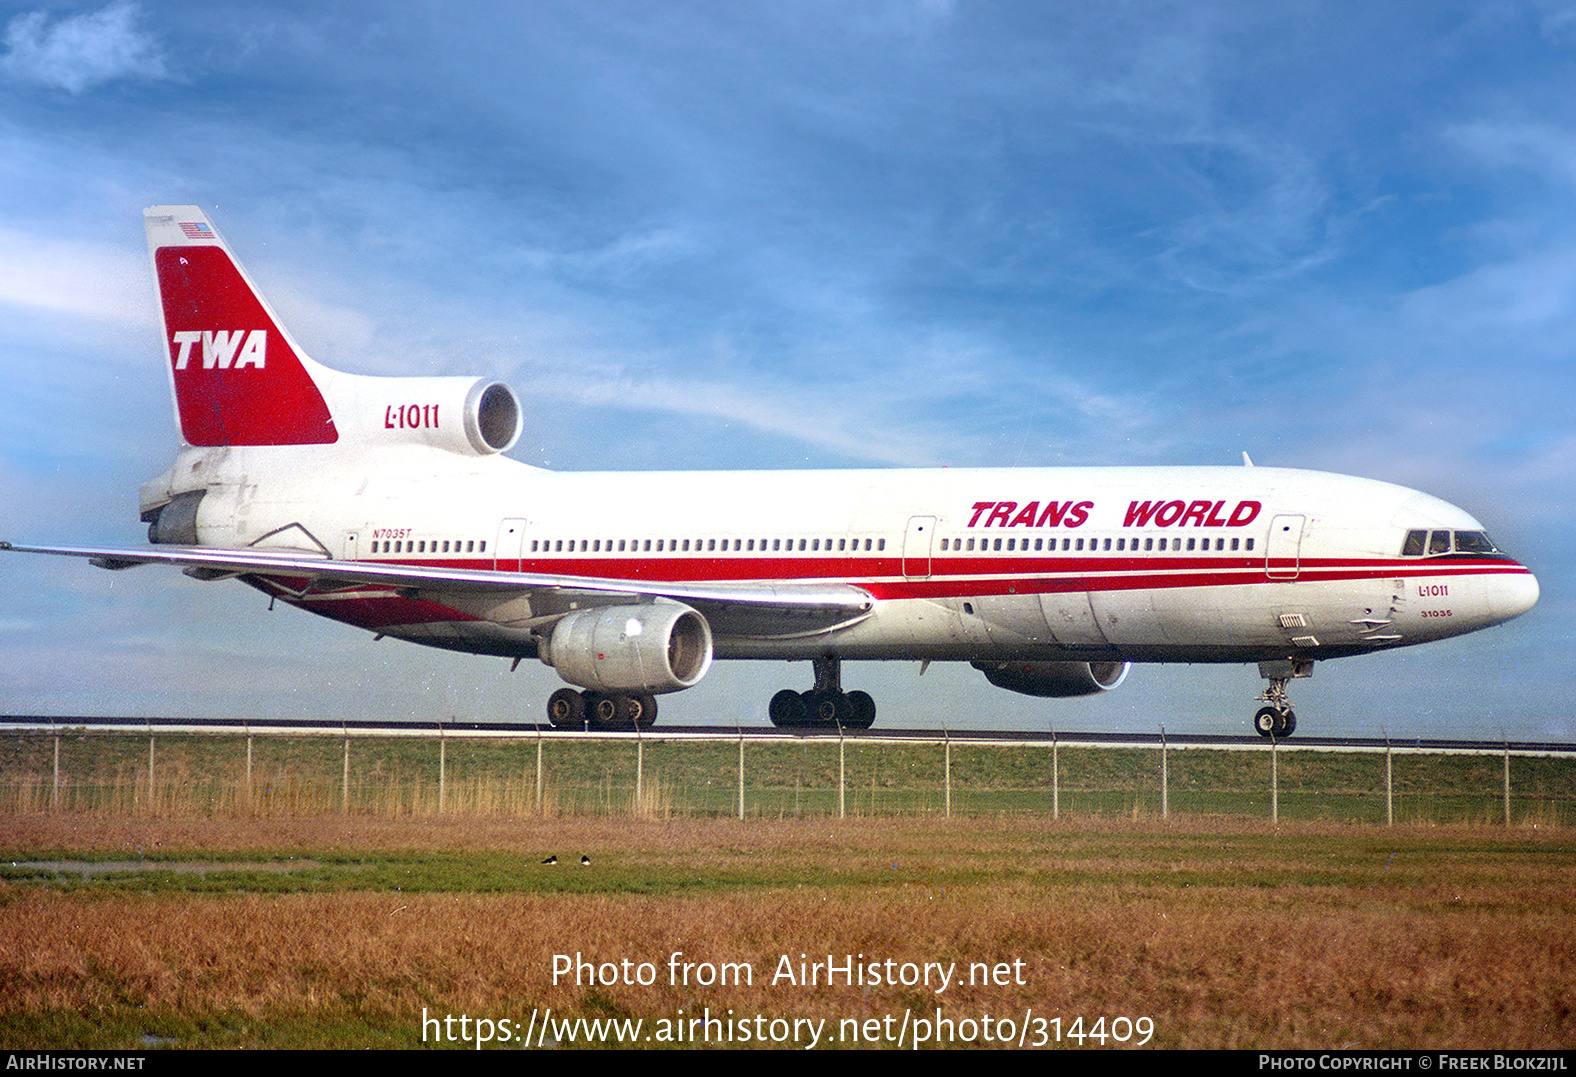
(748, 608)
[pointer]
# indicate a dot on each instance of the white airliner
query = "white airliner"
(386, 503)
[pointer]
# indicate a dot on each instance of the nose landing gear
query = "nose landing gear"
(1278, 719)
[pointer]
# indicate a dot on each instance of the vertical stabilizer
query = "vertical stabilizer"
(237, 377)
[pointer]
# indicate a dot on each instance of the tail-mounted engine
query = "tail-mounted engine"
(659, 647)
(1054, 680)
(471, 416)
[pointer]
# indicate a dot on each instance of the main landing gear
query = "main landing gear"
(824, 705)
(1277, 719)
(569, 709)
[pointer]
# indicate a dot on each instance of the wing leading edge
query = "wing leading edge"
(769, 609)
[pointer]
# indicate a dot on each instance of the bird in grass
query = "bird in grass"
(552, 859)
(585, 861)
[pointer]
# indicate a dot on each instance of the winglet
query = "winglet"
(1247, 461)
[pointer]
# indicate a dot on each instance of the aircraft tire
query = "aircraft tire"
(637, 711)
(864, 710)
(787, 710)
(602, 710)
(1267, 722)
(1288, 724)
(828, 708)
(566, 709)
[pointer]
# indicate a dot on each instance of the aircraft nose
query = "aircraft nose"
(1515, 595)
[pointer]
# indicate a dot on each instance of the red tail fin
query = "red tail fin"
(237, 377)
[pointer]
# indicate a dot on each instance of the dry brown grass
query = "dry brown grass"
(1228, 935)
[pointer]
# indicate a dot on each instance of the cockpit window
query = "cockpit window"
(1444, 542)
(1475, 542)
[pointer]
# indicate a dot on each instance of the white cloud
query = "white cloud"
(81, 51)
(78, 279)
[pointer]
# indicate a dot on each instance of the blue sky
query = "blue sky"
(731, 235)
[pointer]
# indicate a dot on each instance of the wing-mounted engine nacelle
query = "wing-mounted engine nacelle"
(1054, 680)
(470, 416)
(658, 647)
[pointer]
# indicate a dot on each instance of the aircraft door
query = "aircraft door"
(916, 547)
(1283, 552)
(511, 539)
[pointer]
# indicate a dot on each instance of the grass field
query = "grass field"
(199, 918)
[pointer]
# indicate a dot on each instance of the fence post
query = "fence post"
(947, 773)
(1274, 780)
(1165, 778)
(344, 779)
(842, 785)
(1507, 783)
(741, 775)
(1389, 785)
(443, 760)
(1056, 779)
(640, 772)
(538, 771)
(54, 790)
(150, 770)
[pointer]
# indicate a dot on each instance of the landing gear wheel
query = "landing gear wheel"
(648, 714)
(824, 705)
(828, 708)
(566, 709)
(1267, 721)
(1275, 723)
(637, 711)
(787, 710)
(602, 710)
(864, 709)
